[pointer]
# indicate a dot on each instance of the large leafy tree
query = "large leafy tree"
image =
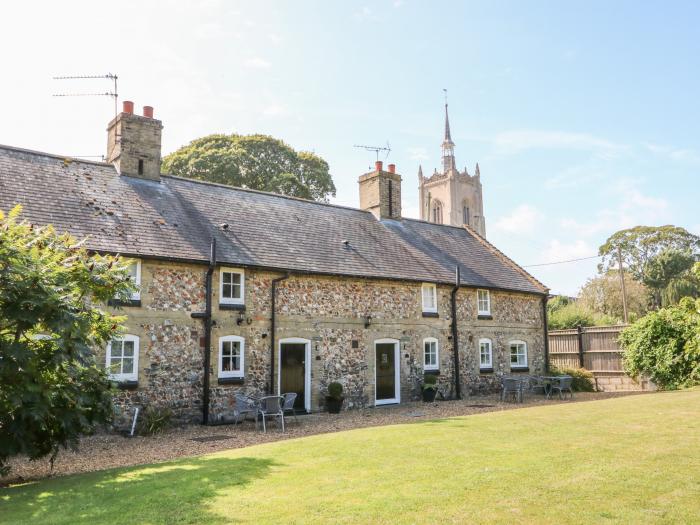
(603, 294)
(669, 274)
(51, 289)
(258, 162)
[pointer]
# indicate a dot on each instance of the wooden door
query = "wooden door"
(293, 371)
(386, 371)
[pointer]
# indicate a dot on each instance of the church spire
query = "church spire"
(448, 147)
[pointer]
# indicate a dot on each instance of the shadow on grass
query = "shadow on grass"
(174, 492)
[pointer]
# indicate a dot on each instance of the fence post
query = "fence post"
(579, 329)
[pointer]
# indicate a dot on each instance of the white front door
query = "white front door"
(387, 379)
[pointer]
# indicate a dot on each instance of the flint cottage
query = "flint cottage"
(241, 289)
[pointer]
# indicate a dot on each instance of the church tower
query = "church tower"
(452, 197)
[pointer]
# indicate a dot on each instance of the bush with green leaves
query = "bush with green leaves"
(335, 391)
(665, 346)
(576, 314)
(429, 382)
(51, 292)
(154, 420)
(584, 380)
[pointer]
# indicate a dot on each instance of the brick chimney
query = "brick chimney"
(380, 192)
(133, 143)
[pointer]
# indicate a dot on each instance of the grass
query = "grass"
(634, 459)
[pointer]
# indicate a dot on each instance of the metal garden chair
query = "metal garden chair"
(244, 406)
(562, 385)
(512, 386)
(270, 406)
(288, 405)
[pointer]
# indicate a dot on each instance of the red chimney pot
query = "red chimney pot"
(392, 168)
(128, 107)
(148, 111)
(378, 165)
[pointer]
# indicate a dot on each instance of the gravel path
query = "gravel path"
(103, 451)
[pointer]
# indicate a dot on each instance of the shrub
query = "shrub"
(154, 419)
(429, 382)
(335, 390)
(665, 346)
(575, 314)
(583, 379)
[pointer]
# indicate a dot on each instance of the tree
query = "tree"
(669, 274)
(639, 245)
(257, 162)
(665, 346)
(602, 294)
(51, 288)
(563, 313)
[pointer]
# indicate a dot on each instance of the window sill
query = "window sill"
(432, 371)
(231, 380)
(117, 302)
(519, 368)
(430, 314)
(486, 370)
(227, 306)
(125, 385)
(484, 317)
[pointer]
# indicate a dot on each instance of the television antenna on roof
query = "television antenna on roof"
(109, 76)
(376, 149)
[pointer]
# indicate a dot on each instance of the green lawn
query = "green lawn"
(627, 460)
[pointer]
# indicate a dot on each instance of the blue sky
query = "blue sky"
(583, 116)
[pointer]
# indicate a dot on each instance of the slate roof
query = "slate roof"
(175, 219)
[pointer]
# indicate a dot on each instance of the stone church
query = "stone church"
(450, 196)
(247, 291)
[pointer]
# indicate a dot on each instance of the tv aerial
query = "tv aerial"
(376, 149)
(109, 76)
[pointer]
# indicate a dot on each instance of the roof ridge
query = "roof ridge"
(431, 223)
(261, 192)
(503, 256)
(53, 155)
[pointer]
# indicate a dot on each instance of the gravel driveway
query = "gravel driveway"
(102, 451)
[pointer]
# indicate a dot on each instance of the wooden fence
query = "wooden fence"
(596, 349)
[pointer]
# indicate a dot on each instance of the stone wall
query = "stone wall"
(330, 313)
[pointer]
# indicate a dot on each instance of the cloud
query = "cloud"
(276, 110)
(674, 154)
(398, 3)
(417, 153)
(523, 219)
(517, 141)
(257, 63)
(365, 13)
(565, 251)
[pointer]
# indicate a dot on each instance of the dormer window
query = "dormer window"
(429, 294)
(483, 302)
(231, 286)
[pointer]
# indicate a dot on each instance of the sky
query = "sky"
(584, 116)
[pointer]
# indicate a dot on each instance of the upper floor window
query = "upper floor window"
(437, 212)
(231, 286)
(518, 354)
(485, 354)
(123, 358)
(429, 294)
(483, 302)
(231, 356)
(430, 354)
(465, 215)
(135, 276)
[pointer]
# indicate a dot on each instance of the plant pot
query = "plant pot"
(429, 394)
(334, 405)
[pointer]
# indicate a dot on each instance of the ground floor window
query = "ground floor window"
(123, 358)
(430, 354)
(231, 355)
(485, 354)
(518, 354)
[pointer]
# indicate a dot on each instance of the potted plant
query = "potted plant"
(429, 387)
(334, 399)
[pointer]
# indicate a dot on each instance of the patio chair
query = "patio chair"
(512, 386)
(244, 406)
(535, 383)
(288, 405)
(270, 406)
(562, 385)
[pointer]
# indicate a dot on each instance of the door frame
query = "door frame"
(307, 367)
(397, 372)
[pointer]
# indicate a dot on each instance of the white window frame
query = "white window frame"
(423, 288)
(486, 341)
(136, 295)
(436, 366)
(510, 353)
(133, 376)
(479, 310)
(231, 300)
(231, 373)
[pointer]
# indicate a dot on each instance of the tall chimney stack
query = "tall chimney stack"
(134, 143)
(380, 192)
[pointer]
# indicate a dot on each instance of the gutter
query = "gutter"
(206, 317)
(273, 293)
(546, 333)
(455, 343)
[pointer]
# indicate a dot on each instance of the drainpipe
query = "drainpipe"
(546, 333)
(455, 344)
(271, 390)
(206, 317)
